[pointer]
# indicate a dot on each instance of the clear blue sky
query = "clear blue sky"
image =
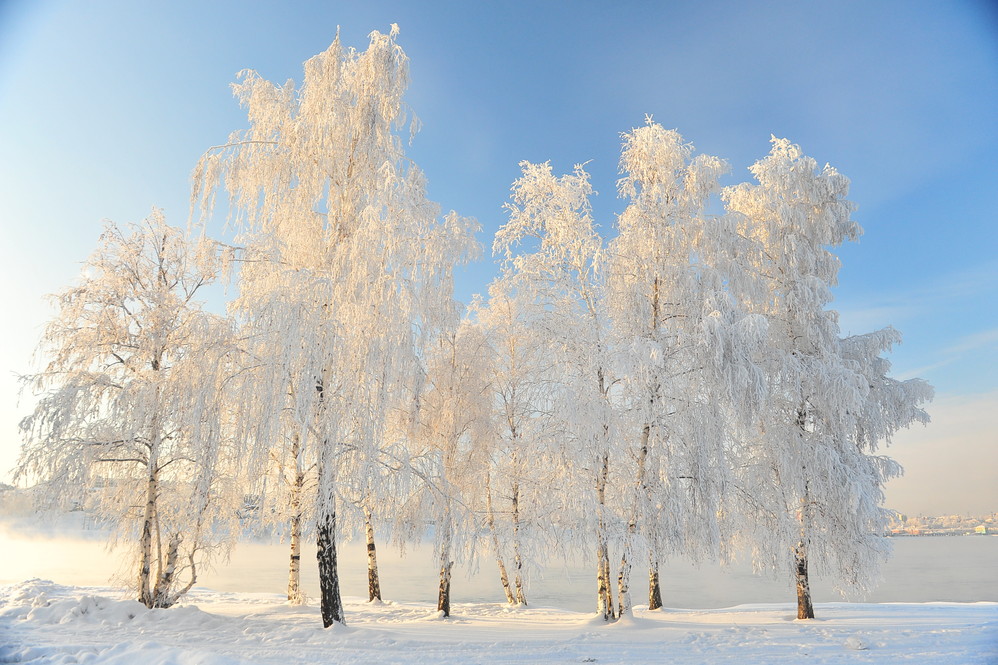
(106, 106)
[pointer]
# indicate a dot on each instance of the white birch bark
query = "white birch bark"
(373, 580)
(490, 522)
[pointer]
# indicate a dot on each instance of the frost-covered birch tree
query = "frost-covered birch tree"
(795, 213)
(450, 425)
(347, 266)
(133, 418)
(279, 479)
(517, 501)
(561, 264)
(812, 493)
(684, 347)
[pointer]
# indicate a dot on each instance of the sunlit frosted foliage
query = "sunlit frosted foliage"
(685, 347)
(132, 409)
(560, 270)
(891, 404)
(446, 441)
(522, 516)
(346, 271)
(810, 493)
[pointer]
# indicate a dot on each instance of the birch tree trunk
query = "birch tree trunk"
(490, 520)
(330, 602)
(145, 539)
(623, 582)
(150, 515)
(161, 596)
(604, 597)
(331, 605)
(373, 582)
(604, 593)
(805, 610)
(295, 594)
(654, 586)
(521, 598)
(443, 598)
(624, 576)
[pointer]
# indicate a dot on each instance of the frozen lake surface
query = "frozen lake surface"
(929, 568)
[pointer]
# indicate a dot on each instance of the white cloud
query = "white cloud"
(975, 341)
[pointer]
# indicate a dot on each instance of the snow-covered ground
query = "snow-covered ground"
(42, 622)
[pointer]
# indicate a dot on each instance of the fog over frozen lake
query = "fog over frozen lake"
(930, 568)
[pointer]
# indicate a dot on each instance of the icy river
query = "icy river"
(928, 568)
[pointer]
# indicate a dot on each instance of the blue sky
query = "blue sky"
(105, 107)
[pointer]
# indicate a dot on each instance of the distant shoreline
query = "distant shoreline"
(945, 525)
(934, 534)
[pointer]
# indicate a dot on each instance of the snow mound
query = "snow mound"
(46, 603)
(181, 617)
(855, 643)
(30, 592)
(85, 609)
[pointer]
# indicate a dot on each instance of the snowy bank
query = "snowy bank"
(42, 622)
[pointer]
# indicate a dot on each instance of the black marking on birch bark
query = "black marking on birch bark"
(330, 603)
(805, 610)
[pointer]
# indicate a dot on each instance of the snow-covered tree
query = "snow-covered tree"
(516, 498)
(280, 488)
(683, 344)
(446, 439)
(561, 266)
(347, 268)
(133, 417)
(297, 478)
(811, 494)
(794, 213)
